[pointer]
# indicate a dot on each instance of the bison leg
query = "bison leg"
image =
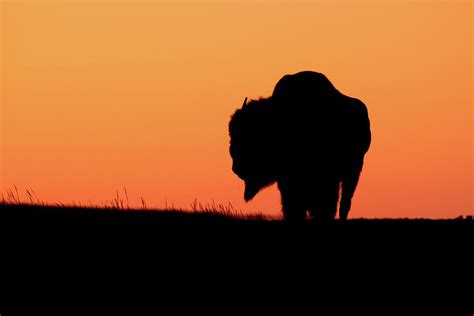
(292, 206)
(324, 207)
(350, 179)
(323, 214)
(293, 212)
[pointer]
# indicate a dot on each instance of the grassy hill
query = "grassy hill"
(80, 215)
(44, 219)
(192, 253)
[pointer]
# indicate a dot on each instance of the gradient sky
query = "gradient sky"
(101, 95)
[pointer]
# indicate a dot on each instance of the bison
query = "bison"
(307, 137)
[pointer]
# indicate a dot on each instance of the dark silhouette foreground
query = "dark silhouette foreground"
(20, 217)
(308, 138)
(60, 254)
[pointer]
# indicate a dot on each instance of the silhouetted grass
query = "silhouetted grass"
(28, 209)
(121, 202)
(118, 211)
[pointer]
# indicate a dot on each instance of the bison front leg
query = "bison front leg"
(323, 214)
(350, 179)
(292, 206)
(324, 204)
(293, 213)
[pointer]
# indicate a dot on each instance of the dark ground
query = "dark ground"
(211, 259)
(45, 219)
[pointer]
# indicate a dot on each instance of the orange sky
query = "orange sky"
(101, 95)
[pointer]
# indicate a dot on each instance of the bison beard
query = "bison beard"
(254, 185)
(251, 190)
(308, 138)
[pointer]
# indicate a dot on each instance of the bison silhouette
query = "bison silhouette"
(307, 137)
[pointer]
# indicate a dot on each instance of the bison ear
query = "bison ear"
(245, 103)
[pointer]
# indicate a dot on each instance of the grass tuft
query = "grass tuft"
(121, 202)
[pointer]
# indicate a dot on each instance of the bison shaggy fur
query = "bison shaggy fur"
(307, 137)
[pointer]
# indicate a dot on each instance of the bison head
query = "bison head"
(252, 145)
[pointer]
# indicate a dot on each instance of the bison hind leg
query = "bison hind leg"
(349, 184)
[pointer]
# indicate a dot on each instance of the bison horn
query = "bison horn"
(245, 102)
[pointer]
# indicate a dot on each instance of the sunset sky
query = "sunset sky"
(101, 95)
